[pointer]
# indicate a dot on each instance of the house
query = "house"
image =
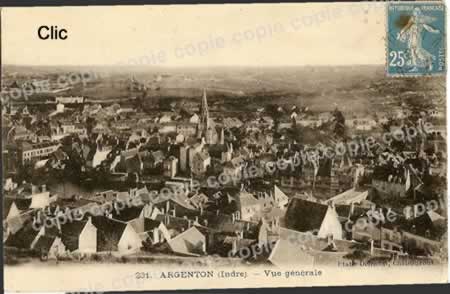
(14, 207)
(18, 133)
(9, 185)
(28, 152)
(227, 155)
(232, 122)
(232, 171)
(436, 113)
(307, 216)
(250, 207)
(155, 232)
(191, 243)
(134, 215)
(40, 200)
(201, 162)
(170, 166)
(79, 236)
(184, 157)
(199, 200)
(194, 119)
(235, 245)
(192, 151)
(50, 245)
(348, 197)
(155, 160)
(387, 188)
(280, 198)
(286, 253)
(361, 124)
(113, 235)
(105, 196)
(26, 237)
(70, 99)
(420, 246)
(99, 156)
(186, 129)
(134, 164)
(166, 118)
(175, 204)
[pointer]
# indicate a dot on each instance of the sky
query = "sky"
(198, 35)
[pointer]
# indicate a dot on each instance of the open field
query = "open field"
(355, 89)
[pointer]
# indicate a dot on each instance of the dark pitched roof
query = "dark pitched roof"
(150, 224)
(7, 203)
(71, 233)
(23, 238)
(424, 227)
(23, 203)
(303, 215)
(224, 223)
(127, 214)
(109, 232)
(44, 243)
(344, 211)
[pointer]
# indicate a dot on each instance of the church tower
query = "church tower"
(206, 127)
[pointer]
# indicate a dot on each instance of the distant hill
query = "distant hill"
(352, 88)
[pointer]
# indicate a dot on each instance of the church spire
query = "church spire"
(204, 112)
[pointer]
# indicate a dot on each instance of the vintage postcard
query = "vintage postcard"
(224, 146)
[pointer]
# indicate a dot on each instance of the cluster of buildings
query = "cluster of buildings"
(204, 183)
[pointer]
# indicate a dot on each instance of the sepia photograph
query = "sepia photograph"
(224, 146)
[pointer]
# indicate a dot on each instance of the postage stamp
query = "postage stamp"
(415, 39)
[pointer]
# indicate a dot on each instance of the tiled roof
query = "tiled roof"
(71, 233)
(44, 243)
(127, 214)
(109, 233)
(23, 238)
(303, 215)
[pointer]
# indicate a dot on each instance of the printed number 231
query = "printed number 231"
(397, 58)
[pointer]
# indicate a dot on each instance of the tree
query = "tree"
(339, 127)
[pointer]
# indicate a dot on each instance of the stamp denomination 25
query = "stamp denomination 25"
(415, 39)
